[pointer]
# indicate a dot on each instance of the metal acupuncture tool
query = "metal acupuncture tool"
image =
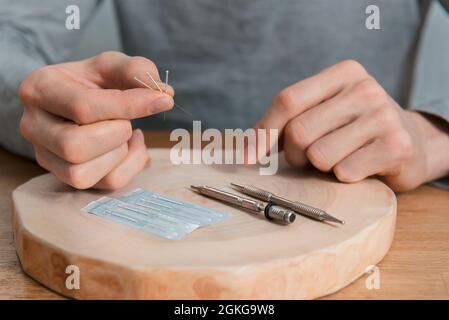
(160, 89)
(271, 211)
(296, 206)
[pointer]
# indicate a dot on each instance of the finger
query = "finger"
(305, 94)
(315, 123)
(81, 176)
(72, 142)
(294, 155)
(337, 145)
(134, 162)
(117, 70)
(76, 90)
(324, 118)
(60, 95)
(308, 93)
(366, 161)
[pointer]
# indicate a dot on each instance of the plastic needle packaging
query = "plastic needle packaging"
(155, 213)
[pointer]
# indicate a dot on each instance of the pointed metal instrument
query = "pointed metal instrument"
(295, 206)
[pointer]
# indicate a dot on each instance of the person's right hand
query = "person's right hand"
(77, 115)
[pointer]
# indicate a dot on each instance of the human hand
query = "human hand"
(77, 116)
(342, 120)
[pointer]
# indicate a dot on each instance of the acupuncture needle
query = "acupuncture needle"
(154, 81)
(148, 206)
(171, 207)
(174, 202)
(139, 211)
(121, 216)
(180, 213)
(163, 217)
(166, 85)
(176, 105)
(141, 205)
(157, 204)
(145, 224)
(181, 216)
(167, 200)
(177, 214)
(166, 80)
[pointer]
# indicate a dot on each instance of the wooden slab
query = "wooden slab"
(244, 257)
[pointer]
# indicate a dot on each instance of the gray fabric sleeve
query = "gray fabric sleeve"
(445, 4)
(32, 34)
(439, 108)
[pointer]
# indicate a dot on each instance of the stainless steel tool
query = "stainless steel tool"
(271, 211)
(296, 206)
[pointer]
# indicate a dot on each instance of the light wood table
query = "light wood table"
(416, 267)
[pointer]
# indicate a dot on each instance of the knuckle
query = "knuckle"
(39, 158)
(124, 127)
(45, 76)
(317, 157)
(70, 147)
(400, 144)
(141, 63)
(370, 91)
(77, 177)
(79, 111)
(128, 129)
(114, 180)
(386, 117)
(296, 134)
(25, 126)
(352, 66)
(285, 102)
(107, 56)
(344, 175)
(26, 91)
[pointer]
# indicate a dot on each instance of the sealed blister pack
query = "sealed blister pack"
(154, 213)
(182, 210)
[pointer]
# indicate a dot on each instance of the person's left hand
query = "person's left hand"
(342, 120)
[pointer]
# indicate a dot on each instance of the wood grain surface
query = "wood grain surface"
(415, 267)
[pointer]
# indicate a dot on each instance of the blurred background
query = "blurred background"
(433, 64)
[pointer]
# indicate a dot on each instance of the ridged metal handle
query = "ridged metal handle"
(309, 211)
(254, 192)
(281, 214)
(296, 206)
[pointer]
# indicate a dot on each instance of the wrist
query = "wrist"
(433, 136)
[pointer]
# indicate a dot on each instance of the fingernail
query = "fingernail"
(139, 134)
(162, 104)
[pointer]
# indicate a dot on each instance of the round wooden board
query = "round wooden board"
(244, 257)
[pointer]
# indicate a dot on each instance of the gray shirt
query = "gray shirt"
(228, 58)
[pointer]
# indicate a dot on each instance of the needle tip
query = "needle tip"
(333, 219)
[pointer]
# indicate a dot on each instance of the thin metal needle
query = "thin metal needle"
(184, 110)
(143, 83)
(166, 85)
(166, 80)
(154, 81)
(176, 105)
